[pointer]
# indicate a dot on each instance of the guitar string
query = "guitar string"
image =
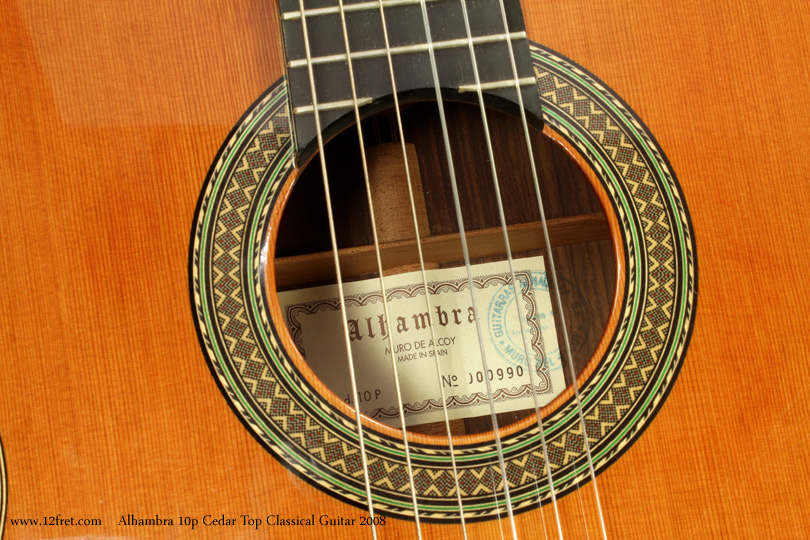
(542, 517)
(411, 198)
(582, 511)
(333, 237)
(466, 256)
(386, 310)
(422, 268)
(544, 448)
(552, 267)
(464, 249)
(528, 349)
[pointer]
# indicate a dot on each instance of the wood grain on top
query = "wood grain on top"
(111, 114)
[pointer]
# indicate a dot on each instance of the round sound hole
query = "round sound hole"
(245, 232)
(582, 250)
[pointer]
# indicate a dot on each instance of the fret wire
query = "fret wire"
(386, 312)
(360, 6)
(333, 238)
(406, 49)
(557, 297)
(332, 105)
(525, 81)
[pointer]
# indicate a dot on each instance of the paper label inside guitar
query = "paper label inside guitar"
(314, 318)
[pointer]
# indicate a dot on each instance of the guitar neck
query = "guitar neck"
(409, 40)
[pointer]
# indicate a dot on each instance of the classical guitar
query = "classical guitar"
(375, 153)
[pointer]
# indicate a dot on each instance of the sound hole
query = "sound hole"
(582, 248)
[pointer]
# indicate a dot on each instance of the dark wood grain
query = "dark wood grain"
(360, 261)
(587, 273)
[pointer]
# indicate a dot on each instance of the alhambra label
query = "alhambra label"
(470, 342)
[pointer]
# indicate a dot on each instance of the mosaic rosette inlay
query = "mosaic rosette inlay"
(319, 442)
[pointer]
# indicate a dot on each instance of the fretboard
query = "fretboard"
(410, 56)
